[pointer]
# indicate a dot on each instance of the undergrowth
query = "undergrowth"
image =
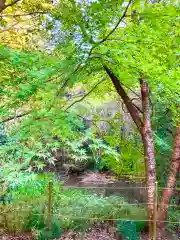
(82, 209)
(173, 224)
(73, 209)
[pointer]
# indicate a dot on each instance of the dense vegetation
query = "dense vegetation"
(100, 81)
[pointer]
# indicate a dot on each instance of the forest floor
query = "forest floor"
(17, 236)
(95, 233)
(104, 232)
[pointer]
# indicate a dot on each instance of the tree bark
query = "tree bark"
(2, 5)
(171, 183)
(148, 143)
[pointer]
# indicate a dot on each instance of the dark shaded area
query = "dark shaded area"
(3, 136)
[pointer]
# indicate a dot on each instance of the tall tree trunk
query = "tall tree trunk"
(145, 130)
(171, 183)
(148, 143)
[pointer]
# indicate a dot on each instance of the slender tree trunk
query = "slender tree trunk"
(148, 143)
(145, 130)
(171, 183)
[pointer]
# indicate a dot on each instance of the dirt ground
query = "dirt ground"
(20, 236)
(102, 232)
(95, 233)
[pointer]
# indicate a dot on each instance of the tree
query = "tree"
(136, 54)
(171, 181)
(21, 23)
(145, 130)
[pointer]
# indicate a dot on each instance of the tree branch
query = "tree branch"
(117, 24)
(23, 15)
(127, 101)
(66, 81)
(15, 117)
(93, 122)
(9, 27)
(3, 6)
(138, 108)
(13, 25)
(150, 14)
(81, 99)
(77, 68)
(131, 90)
(11, 4)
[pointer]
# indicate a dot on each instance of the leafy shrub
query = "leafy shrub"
(74, 209)
(26, 198)
(129, 160)
(82, 208)
(128, 230)
(173, 225)
(35, 221)
(42, 233)
(141, 226)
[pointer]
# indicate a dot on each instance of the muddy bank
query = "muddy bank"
(107, 185)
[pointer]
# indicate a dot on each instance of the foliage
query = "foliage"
(37, 223)
(21, 23)
(39, 133)
(19, 159)
(130, 160)
(26, 199)
(174, 214)
(70, 45)
(38, 79)
(163, 135)
(73, 208)
(134, 48)
(173, 220)
(3, 137)
(128, 230)
(29, 72)
(83, 208)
